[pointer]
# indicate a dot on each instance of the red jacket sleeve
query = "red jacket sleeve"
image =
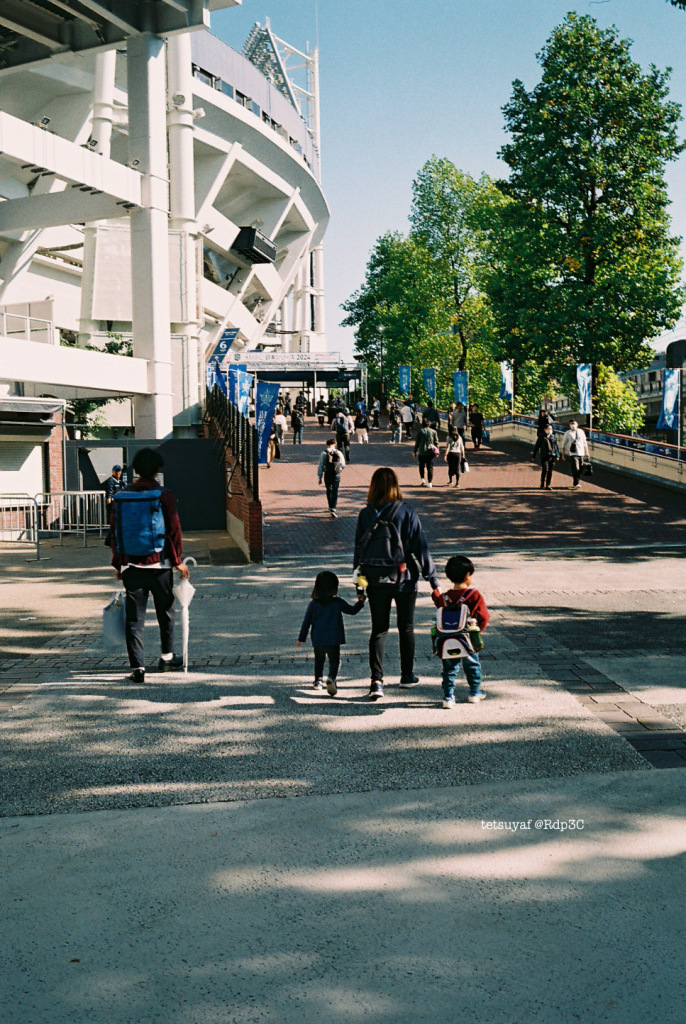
(477, 607)
(173, 545)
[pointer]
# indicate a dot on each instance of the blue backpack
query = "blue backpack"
(139, 528)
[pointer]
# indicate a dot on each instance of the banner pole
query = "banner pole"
(678, 420)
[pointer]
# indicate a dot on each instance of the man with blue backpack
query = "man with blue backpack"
(146, 548)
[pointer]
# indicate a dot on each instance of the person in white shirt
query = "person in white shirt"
(407, 417)
(574, 445)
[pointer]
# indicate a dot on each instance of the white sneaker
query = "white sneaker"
(318, 684)
(474, 698)
(422, 483)
(331, 687)
(429, 484)
(449, 702)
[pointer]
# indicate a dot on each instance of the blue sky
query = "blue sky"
(402, 80)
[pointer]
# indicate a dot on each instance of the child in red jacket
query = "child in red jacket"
(459, 571)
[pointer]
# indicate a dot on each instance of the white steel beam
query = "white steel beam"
(59, 365)
(70, 207)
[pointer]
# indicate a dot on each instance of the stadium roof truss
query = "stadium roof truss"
(37, 30)
(278, 61)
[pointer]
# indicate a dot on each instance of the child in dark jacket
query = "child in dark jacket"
(325, 615)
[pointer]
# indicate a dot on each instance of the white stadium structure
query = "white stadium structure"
(156, 186)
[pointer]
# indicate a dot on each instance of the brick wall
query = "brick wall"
(55, 455)
(243, 513)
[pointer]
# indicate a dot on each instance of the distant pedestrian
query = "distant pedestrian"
(324, 615)
(321, 411)
(395, 422)
(297, 424)
(342, 427)
(376, 409)
(575, 446)
(273, 446)
(280, 424)
(460, 419)
(454, 456)
(550, 453)
(391, 551)
(426, 449)
(287, 407)
(407, 417)
(431, 415)
(362, 427)
(451, 416)
(330, 411)
(113, 485)
(301, 403)
(331, 465)
(545, 419)
(476, 422)
(146, 548)
(460, 571)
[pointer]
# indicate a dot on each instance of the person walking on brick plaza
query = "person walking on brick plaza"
(376, 409)
(342, 427)
(331, 465)
(459, 419)
(395, 423)
(454, 456)
(431, 415)
(297, 424)
(391, 551)
(426, 449)
(113, 485)
(280, 424)
(362, 426)
(544, 420)
(476, 422)
(550, 454)
(151, 523)
(407, 417)
(321, 411)
(575, 446)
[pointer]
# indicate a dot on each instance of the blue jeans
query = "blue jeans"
(397, 432)
(297, 435)
(472, 670)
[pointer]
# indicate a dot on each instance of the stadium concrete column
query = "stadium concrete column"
(102, 113)
(146, 86)
(182, 210)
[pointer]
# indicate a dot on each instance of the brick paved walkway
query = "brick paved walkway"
(498, 506)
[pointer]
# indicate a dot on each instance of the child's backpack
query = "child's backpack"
(380, 551)
(139, 528)
(451, 638)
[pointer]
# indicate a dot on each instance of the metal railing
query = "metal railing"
(75, 513)
(236, 435)
(19, 520)
(27, 328)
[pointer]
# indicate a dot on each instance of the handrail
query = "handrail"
(236, 435)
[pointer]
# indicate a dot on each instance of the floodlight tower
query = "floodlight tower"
(296, 74)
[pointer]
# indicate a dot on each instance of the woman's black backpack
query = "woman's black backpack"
(380, 550)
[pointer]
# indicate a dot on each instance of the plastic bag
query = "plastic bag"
(114, 621)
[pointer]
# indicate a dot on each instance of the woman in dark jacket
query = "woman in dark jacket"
(391, 551)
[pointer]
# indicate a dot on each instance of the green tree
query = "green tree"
(581, 266)
(619, 408)
(396, 308)
(444, 218)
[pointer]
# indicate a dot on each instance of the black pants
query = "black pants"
(539, 442)
(477, 438)
(344, 445)
(426, 462)
(454, 466)
(547, 467)
(380, 600)
(375, 419)
(139, 583)
(333, 653)
(332, 490)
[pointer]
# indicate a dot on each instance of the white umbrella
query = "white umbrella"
(183, 592)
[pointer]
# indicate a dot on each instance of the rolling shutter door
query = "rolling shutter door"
(21, 467)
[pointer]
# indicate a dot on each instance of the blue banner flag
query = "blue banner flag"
(243, 385)
(219, 378)
(234, 370)
(583, 379)
(211, 379)
(507, 382)
(265, 403)
(404, 379)
(669, 414)
(429, 377)
(222, 347)
(461, 386)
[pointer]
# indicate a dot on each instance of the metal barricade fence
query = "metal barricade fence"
(76, 513)
(19, 520)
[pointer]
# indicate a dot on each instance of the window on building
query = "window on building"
(228, 90)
